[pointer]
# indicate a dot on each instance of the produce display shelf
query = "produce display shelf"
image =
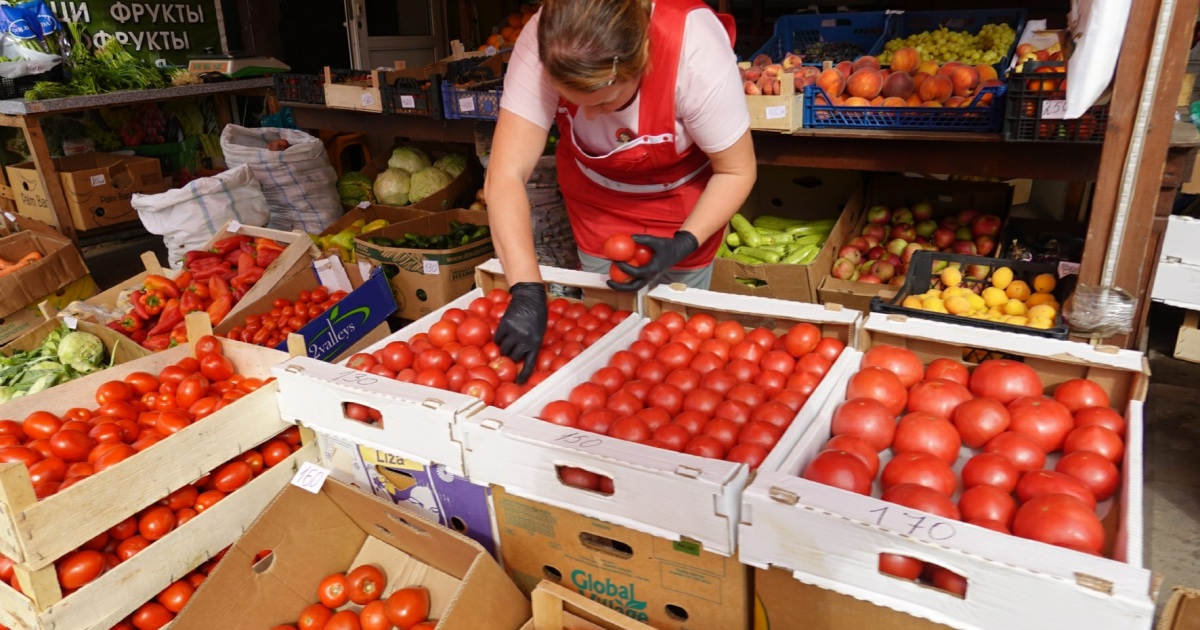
(985, 113)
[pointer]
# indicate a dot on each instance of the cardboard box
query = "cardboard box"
(783, 112)
(1187, 344)
(947, 197)
(1179, 242)
(662, 583)
(60, 265)
(117, 347)
(313, 535)
(1177, 284)
(513, 449)
(437, 493)
(794, 193)
(426, 279)
(22, 321)
(98, 187)
(781, 598)
(832, 538)
(1182, 611)
(555, 608)
(373, 211)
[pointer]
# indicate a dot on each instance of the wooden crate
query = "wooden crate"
(121, 590)
(36, 533)
(559, 608)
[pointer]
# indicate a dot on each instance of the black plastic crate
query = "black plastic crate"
(413, 96)
(300, 88)
(1033, 97)
(16, 88)
(921, 278)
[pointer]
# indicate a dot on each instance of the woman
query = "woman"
(655, 142)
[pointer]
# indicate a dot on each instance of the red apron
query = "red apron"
(645, 185)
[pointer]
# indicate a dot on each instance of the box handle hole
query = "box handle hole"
(677, 613)
(458, 525)
(407, 524)
(263, 561)
(359, 412)
(584, 480)
(606, 545)
(551, 573)
(926, 574)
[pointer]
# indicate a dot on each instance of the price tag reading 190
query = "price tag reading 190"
(1054, 109)
(916, 525)
(581, 440)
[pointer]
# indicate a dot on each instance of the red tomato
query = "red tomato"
(1004, 380)
(859, 448)
(71, 446)
(474, 331)
(730, 332)
(79, 568)
(920, 431)
(232, 476)
(801, 339)
(748, 453)
(1096, 472)
(365, 584)
(748, 350)
(686, 379)
(1096, 439)
(829, 348)
(433, 359)
(397, 356)
(610, 378)
(652, 371)
(142, 382)
(899, 361)
(624, 404)
(642, 255)
(948, 369)
(597, 420)
(879, 384)
(626, 362)
(990, 469)
(675, 355)
(705, 446)
(923, 469)
(216, 367)
(315, 616)
(733, 410)
(1080, 393)
(1038, 482)
(374, 616)
(1045, 420)
(771, 382)
(156, 522)
(903, 567)
(774, 413)
(839, 469)
(979, 420)
(644, 350)
(640, 389)
(41, 425)
(333, 590)
(702, 325)
(1059, 519)
(780, 361)
(113, 391)
(762, 433)
(704, 399)
(344, 620)
(743, 370)
(867, 418)
(631, 429)
(587, 396)
(508, 393)
(481, 389)
(748, 393)
(619, 248)
(937, 397)
(131, 546)
(667, 397)
(792, 398)
(442, 333)
(153, 615)
(814, 363)
(922, 498)
(949, 581)
(691, 420)
(657, 333)
(987, 503)
(1102, 416)
(674, 436)
(706, 362)
(408, 606)
(1023, 451)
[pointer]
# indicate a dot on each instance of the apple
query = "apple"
(963, 234)
(948, 222)
(872, 241)
(876, 230)
(854, 276)
(850, 253)
(866, 266)
(904, 231)
(966, 216)
(879, 214)
(843, 269)
(870, 279)
(876, 253)
(937, 267)
(884, 270)
(922, 211)
(985, 245)
(897, 281)
(921, 239)
(912, 248)
(925, 227)
(897, 246)
(1026, 48)
(978, 272)
(985, 225)
(943, 237)
(963, 247)
(902, 215)
(860, 244)
(893, 259)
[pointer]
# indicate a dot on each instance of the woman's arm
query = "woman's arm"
(734, 172)
(516, 146)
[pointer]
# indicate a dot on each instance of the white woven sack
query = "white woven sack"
(299, 182)
(188, 217)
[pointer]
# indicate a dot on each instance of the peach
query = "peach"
(857, 101)
(762, 61)
(792, 60)
(906, 60)
(956, 101)
(883, 74)
(986, 72)
(865, 83)
(1043, 55)
(965, 80)
(832, 81)
(866, 61)
(1023, 49)
(919, 78)
(751, 88)
(773, 70)
(837, 100)
(897, 84)
(877, 101)
(846, 68)
(928, 66)
(931, 104)
(753, 74)
(947, 68)
(894, 101)
(936, 89)
(914, 100)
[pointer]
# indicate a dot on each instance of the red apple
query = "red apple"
(850, 253)
(860, 244)
(966, 216)
(948, 222)
(897, 281)
(925, 227)
(870, 279)
(876, 253)
(876, 230)
(902, 215)
(907, 254)
(978, 272)
(963, 247)
(879, 214)
(903, 231)
(872, 241)
(985, 245)
(897, 246)
(893, 259)
(921, 239)
(985, 225)
(843, 269)
(922, 211)
(943, 237)
(884, 270)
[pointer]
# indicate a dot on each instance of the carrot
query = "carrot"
(25, 261)
(28, 258)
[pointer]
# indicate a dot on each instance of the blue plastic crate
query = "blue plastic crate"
(793, 33)
(903, 24)
(977, 117)
(477, 104)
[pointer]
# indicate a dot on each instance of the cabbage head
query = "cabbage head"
(80, 348)
(392, 187)
(355, 188)
(454, 164)
(427, 182)
(410, 159)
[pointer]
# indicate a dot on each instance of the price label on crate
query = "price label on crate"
(776, 112)
(1054, 109)
(98, 180)
(466, 104)
(310, 477)
(1067, 269)
(366, 99)
(579, 440)
(430, 267)
(364, 204)
(71, 322)
(407, 101)
(912, 523)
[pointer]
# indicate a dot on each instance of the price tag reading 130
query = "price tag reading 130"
(1054, 109)
(910, 524)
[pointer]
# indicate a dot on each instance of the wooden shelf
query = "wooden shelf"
(412, 127)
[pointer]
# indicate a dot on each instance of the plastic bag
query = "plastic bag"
(30, 61)
(299, 182)
(188, 217)
(1100, 311)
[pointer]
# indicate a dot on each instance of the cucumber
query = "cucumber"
(779, 238)
(770, 222)
(798, 255)
(733, 240)
(761, 253)
(744, 259)
(750, 236)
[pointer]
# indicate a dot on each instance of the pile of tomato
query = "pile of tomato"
(354, 601)
(1031, 465)
(459, 354)
(700, 386)
(131, 415)
(285, 317)
(161, 610)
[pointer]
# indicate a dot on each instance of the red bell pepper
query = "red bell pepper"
(203, 275)
(152, 302)
(170, 316)
(179, 334)
(226, 245)
(200, 289)
(162, 283)
(266, 251)
(139, 335)
(139, 309)
(130, 323)
(157, 342)
(205, 263)
(190, 303)
(245, 263)
(183, 279)
(117, 327)
(222, 300)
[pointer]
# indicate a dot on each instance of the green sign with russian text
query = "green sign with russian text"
(151, 30)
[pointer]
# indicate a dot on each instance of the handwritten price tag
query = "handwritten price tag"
(1054, 109)
(915, 525)
(430, 267)
(310, 477)
(98, 180)
(407, 102)
(355, 377)
(466, 104)
(364, 204)
(366, 99)
(776, 112)
(582, 440)
(1068, 269)
(71, 322)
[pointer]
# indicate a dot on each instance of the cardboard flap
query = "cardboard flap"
(1182, 611)
(119, 176)
(60, 265)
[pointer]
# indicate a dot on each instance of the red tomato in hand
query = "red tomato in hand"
(899, 361)
(839, 469)
(866, 418)
(1004, 380)
(1059, 519)
(879, 384)
(619, 248)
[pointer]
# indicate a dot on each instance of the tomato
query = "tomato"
(903, 567)
(979, 420)
(124, 529)
(879, 384)
(937, 397)
(206, 345)
(361, 361)
(921, 468)
(652, 370)
(949, 581)
(1059, 519)
(481, 389)
(801, 339)
(176, 596)
(762, 433)
(156, 522)
(579, 478)
(829, 348)
(692, 421)
(675, 355)
(656, 333)
(365, 584)
(990, 469)
(79, 568)
(142, 382)
(191, 390)
(920, 431)
(71, 446)
(748, 453)
(373, 616)
(987, 503)
(686, 379)
(560, 412)
(1080, 393)
(922, 498)
(706, 362)
(1038, 482)
(597, 420)
(867, 418)
(397, 356)
(771, 382)
(793, 399)
(344, 620)
(232, 476)
(174, 374)
(171, 422)
(49, 470)
(408, 606)
(113, 391)
(153, 615)
(1023, 451)
(839, 469)
(665, 396)
(625, 362)
(216, 367)
(719, 382)
(631, 429)
(208, 499)
(1094, 470)
(41, 424)
(624, 404)
(131, 546)
(184, 497)
(704, 400)
(1045, 420)
(1102, 416)
(1096, 439)
(705, 446)
(774, 413)
(901, 362)
(995, 526)
(333, 591)
(1004, 380)
(749, 351)
(640, 389)
(115, 455)
(505, 368)
(674, 436)
(858, 447)
(947, 369)
(813, 363)
(735, 410)
(729, 332)
(619, 248)
(314, 617)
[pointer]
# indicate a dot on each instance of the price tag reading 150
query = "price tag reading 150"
(915, 525)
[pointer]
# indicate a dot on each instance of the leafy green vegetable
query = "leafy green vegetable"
(354, 188)
(64, 355)
(109, 69)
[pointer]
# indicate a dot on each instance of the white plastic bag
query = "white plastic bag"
(188, 217)
(28, 62)
(299, 182)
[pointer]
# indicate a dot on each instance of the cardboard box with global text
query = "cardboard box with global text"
(98, 187)
(312, 535)
(665, 584)
(793, 193)
(556, 607)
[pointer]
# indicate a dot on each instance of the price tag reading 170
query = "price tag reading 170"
(916, 525)
(581, 440)
(1054, 109)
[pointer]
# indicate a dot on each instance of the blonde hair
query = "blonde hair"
(586, 45)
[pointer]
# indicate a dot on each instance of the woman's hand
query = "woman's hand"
(667, 253)
(523, 326)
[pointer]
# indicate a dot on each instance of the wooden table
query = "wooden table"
(27, 116)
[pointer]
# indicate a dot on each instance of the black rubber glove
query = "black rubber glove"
(667, 253)
(523, 326)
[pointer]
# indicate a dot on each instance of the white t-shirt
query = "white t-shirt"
(710, 105)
